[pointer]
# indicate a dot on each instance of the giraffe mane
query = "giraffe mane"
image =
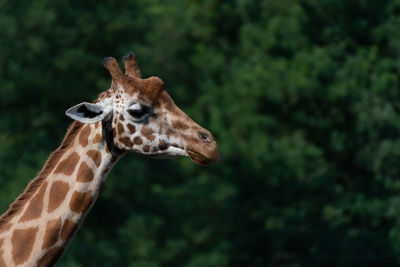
(49, 166)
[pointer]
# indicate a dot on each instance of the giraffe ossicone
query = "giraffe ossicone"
(134, 114)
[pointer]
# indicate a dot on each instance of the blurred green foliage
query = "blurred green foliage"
(303, 98)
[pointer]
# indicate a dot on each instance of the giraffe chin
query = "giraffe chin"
(198, 158)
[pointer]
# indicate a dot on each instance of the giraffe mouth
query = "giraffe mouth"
(169, 152)
(198, 158)
(194, 155)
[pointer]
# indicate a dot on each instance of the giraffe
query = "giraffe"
(134, 114)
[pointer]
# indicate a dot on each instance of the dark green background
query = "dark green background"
(303, 98)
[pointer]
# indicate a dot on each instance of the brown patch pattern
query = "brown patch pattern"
(52, 233)
(179, 125)
(51, 257)
(132, 128)
(58, 191)
(95, 156)
(80, 201)
(98, 139)
(84, 136)
(120, 128)
(146, 148)
(121, 118)
(137, 140)
(35, 205)
(126, 141)
(22, 243)
(67, 166)
(85, 174)
(148, 133)
(162, 145)
(68, 229)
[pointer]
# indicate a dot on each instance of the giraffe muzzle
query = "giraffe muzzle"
(205, 150)
(203, 159)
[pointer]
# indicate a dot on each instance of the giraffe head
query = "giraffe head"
(138, 115)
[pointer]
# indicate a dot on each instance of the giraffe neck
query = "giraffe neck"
(40, 224)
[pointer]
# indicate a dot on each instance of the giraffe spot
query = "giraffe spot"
(96, 125)
(68, 229)
(80, 201)
(146, 148)
(179, 125)
(120, 128)
(35, 205)
(121, 118)
(85, 174)
(137, 140)
(126, 141)
(114, 132)
(22, 241)
(67, 166)
(84, 136)
(51, 257)
(52, 233)
(162, 145)
(98, 139)
(95, 156)
(131, 128)
(148, 133)
(57, 194)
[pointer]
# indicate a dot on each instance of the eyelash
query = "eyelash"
(137, 113)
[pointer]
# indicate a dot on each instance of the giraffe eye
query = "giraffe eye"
(139, 112)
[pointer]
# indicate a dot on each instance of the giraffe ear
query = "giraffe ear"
(86, 112)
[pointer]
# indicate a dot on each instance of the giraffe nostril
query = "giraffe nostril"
(204, 137)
